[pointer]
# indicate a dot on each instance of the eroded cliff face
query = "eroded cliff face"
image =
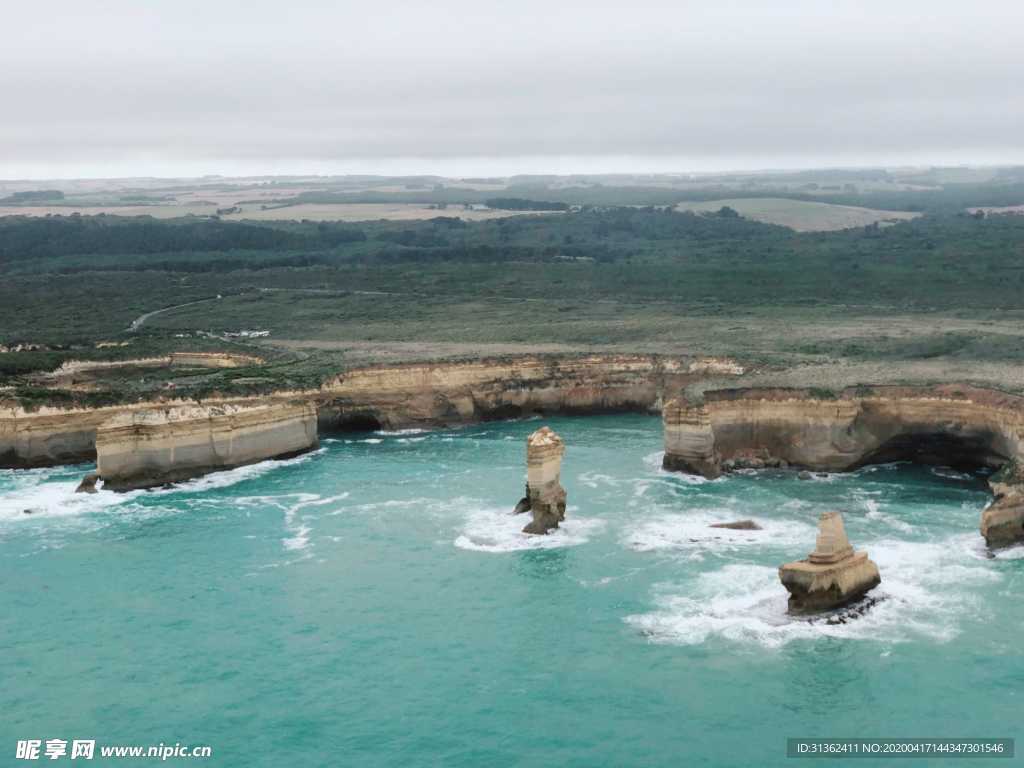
(689, 440)
(47, 437)
(450, 394)
(1002, 522)
(149, 448)
(399, 396)
(953, 425)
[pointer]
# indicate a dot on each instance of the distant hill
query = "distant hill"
(32, 197)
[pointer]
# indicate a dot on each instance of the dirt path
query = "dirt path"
(140, 321)
(137, 322)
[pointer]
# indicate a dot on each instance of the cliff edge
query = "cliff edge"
(152, 448)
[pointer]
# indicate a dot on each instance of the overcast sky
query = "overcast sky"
(95, 88)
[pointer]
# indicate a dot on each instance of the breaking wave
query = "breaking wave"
(497, 531)
(928, 591)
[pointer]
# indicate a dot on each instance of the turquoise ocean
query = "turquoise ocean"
(375, 604)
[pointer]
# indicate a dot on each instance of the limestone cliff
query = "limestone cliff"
(545, 498)
(954, 424)
(395, 397)
(450, 394)
(47, 437)
(689, 441)
(148, 448)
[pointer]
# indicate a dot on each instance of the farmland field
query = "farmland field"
(801, 215)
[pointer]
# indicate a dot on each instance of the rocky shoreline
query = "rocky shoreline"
(952, 425)
(425, 395)
(718, 430)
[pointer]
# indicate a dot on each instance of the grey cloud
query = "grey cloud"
(142, 87)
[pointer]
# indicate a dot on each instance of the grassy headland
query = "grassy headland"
(933, 296)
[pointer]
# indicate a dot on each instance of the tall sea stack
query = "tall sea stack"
(832, 575)
(545, 497)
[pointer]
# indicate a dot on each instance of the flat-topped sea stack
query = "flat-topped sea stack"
(143, 449)
(832, 575)
(545, 497)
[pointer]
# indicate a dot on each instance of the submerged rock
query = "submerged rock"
(832, 575)
(805, 476)
(88, 484)
(545, 497)
(741, 525)
(847, 614)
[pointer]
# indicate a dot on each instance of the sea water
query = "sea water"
(375, 604)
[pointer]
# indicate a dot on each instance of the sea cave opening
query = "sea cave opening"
(963, 454)
(359, 422)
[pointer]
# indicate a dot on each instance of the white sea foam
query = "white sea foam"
(872, 468)
(54, 499)
(691, 532)
(950, 474)
(798, 504)
(595, 479)
(1015, 552)
(926, 592)
(396, 432)
(640, 489)
(497, 531)
(34, 490)
(300, 539)
(298, 515)
(298, 511)
(652, 462)
(234, 476)
(876, 510)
